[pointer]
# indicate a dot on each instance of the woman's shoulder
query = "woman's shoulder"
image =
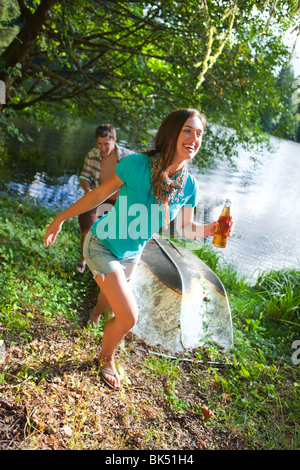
(141, 156)
(191, 180)
(139, 159)
(133, 166)
(191, 185)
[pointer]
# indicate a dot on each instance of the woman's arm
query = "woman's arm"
(188, 228)
(85, 203)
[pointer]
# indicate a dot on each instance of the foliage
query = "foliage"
(8, 12)
(281, 290)
(50, 395)
(281, 122)
(275, 294)
(132, 62)
(262, 355)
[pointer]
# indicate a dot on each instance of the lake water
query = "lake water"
(265, 197)
(265, 208)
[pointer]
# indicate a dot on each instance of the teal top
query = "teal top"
(136, 215)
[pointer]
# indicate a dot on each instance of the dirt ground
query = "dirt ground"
(51, 398)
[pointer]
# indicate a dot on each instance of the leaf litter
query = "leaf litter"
(51, 397)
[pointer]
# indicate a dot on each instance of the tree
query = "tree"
(282, 123)
(132, 62)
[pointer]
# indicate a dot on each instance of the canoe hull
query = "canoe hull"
(182, 303)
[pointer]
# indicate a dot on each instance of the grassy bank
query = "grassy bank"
(50, 393)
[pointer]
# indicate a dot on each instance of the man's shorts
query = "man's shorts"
(100, 259)
(87, 219)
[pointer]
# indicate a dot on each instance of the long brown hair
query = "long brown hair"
(166, 138)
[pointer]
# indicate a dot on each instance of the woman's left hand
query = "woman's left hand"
(210, 229)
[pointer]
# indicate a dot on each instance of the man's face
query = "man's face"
(106, 145)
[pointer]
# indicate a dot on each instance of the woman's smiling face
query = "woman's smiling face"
(189, 140)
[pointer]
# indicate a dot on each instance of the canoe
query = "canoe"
(182, 303)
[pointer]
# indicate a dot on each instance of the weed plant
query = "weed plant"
(266, 324)
(48, 369)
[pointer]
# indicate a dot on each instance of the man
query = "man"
(98, 166)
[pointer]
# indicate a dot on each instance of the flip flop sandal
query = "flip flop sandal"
(110, 385)
(80, 268)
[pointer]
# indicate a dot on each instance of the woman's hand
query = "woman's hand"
(213, 227)
(210, 229)
(52, 231)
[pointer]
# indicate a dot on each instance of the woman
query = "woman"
(154, 188)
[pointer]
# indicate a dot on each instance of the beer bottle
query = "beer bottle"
(221, 232)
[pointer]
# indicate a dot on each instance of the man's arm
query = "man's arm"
(85, 184)
(91, 161)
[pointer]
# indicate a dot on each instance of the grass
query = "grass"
(50, 394)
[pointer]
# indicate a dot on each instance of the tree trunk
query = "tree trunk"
(20, 47)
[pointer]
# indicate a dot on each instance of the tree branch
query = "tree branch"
(19, 48)
(209, 59)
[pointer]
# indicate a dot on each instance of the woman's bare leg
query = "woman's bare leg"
(100, 307)
(119, 296)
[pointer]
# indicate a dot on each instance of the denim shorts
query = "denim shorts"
(100, 259)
